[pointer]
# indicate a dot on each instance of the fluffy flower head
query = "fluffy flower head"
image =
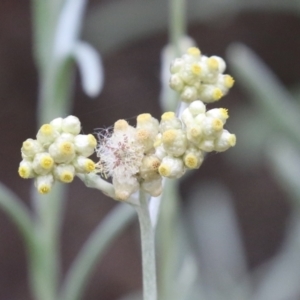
(124, 156)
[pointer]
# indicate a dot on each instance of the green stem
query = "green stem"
(177, 23)
(45, 261)
(167, 239)
(107, 231)
(148, 249)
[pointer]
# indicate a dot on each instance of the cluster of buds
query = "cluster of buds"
(127, 155)
(182, 143)
(57, 153)
(195, 76)
(139, 157)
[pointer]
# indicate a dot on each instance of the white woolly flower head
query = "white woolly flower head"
(126, 154)
(119, 152)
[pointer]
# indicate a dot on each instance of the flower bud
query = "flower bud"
(62, 151)
(212, 127)
(193, 158)
(124, 188)
(57, 124)
(197, 107)
(149, 167)
(85, 144)
(30, 148)
(169, 121)
(153, 186)
(171, 167)
(42, 163)
(83, 164)
(177, 65)
(26, 169)
(64, 173)
(210, 93)
(207, 145)
(194, 133)
(71, 124)
(189, 94)
(44, 183)
(225, 141)
(187, 117)
(218, 113)
(174, 142)
(176, 83)
(216, 63)
(47, 134)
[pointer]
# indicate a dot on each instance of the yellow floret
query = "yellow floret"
(24, 172)
(212, 63)
(196, 69)
(46, 129)
(228, 81)
(66, 177)
(143, 134)
(164, 170)
(89, 165)
(121, 125)
(195, 132)
(168, 116)
(143, 118)
(92, 140)
(169, 136)
(194, 51)
(191, 161)
(44, 189)
(46, 162)
(224, 113)
(66, 148)
(217, 124)
(232, 140)
(217, 94)
(27, 145)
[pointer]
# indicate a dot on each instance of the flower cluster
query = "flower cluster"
(195, 76)
(182, 143)
(57, 153)
(139, 157)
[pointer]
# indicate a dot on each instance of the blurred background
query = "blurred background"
(251, 209)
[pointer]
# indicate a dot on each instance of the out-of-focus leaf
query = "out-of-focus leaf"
(284, 159)
(213, 225)
(91, 68)
(279, 279)
(82, 268)
(270, 96)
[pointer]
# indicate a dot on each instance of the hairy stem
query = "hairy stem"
(148, 249)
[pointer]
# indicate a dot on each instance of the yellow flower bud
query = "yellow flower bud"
(44, 183)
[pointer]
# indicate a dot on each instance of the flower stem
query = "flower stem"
(148, 249)
(177, 23)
